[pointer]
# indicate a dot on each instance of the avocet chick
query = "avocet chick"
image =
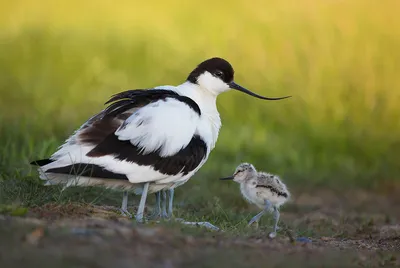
(265, 190)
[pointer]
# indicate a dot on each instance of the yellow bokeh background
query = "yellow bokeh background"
(340, 60)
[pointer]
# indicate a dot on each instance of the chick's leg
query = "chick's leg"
(276, 216)
(257, 217)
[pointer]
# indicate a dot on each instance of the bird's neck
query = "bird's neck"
(207, 103)
(206, 100)
(244, 189)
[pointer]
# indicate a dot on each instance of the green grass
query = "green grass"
(60, 63)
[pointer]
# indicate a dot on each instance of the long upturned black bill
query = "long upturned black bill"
(227, 178)
(233, 85)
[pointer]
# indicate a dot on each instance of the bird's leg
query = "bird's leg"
(164, 214)
(276, 216)
(171, 200)
(157, 209)
(257, 217)
(140, 211)
(124, 206)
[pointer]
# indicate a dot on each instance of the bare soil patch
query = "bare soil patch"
(361, 233)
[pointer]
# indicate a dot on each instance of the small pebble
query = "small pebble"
(325, 238)
(303, 240)
(35, 236)
(272, 235)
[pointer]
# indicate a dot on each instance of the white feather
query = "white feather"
(212, 84)
(166, 125)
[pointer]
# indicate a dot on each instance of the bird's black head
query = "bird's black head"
(217, 75)
(217, 67)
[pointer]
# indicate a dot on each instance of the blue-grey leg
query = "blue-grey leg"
(276, 216)
(140, 211)
(164, 214)
(257, 217)
(124, 206)
(158, 203)
(157, 209)
(171, 200)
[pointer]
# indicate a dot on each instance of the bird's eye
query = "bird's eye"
(219, 74)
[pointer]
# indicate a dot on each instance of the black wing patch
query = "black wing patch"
(126, 100)
(279, 193)
(98, 130)
(41, 162)
(186, 160)
(88, 170)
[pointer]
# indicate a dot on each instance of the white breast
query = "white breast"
(210, 122)
(248, 193)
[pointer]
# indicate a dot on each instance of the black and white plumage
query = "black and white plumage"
(262, 189)
(147, 140)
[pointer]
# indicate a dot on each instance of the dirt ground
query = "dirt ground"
(355, 229)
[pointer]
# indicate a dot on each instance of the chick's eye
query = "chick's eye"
(219, 74)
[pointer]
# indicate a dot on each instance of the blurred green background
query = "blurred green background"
(340, 60)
